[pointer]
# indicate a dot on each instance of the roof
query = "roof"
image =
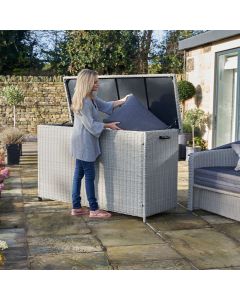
(206, 38)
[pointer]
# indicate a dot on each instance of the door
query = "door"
(227, 98)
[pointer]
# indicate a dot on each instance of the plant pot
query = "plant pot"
(183, 138)
(13, 154)
(190, 150)
(20, 148)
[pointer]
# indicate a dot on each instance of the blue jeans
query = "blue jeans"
(88, 169)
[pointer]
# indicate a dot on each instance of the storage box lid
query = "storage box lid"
(158, 93)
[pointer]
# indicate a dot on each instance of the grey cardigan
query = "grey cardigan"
(87, 129)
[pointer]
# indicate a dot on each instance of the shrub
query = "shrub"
(196, 118)
(186, 90)
(13, 95)
(11, 136)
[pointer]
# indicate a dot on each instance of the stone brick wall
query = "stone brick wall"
(44, 103)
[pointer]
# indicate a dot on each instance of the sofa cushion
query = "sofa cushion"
(134, 116)
(236, 148)
(226, 146)
(222, 178)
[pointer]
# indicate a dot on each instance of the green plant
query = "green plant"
(186, 127)
(197, 118)
(186, 90)
(3, 246)
(14, 96)
(11, 135)
(198, 141)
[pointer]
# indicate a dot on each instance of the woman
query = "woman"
(85, 139)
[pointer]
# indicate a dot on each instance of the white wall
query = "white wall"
(203, 74)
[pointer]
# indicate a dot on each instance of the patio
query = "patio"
(43, 235)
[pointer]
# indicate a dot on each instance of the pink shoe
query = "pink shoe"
(99, 214)
(79, 211)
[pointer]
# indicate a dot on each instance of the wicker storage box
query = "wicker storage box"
(136, 173)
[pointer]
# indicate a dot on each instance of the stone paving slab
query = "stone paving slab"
(12, 220)
(130, 255)
(215, 219)
(178, 210)
(46, 207)
(30, 175)
(29, 179)
(13, 192)
(15, 265)
(64, 244)
(58, 241)
(201, 212)
(205, 248)
(29, 172)
(29, 184)
(52, 224)
(11, 205)
(167, 222)
(232, 230)
(73, 261)
(30, 198)
(14, 237)
(124, 232)
(173, 264)
(30, 191)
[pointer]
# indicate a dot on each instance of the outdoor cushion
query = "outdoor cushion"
(226, 146)
(222, 178)
(134, 116)
(236, 148)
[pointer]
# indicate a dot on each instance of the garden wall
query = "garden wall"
(44, 103)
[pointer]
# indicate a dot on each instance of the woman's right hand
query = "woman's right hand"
(112, 125)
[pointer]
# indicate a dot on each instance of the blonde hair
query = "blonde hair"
(84, 85)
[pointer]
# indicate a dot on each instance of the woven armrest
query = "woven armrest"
(210, 158)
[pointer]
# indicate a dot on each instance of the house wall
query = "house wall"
(200, 70)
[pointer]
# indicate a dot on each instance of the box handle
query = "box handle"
(164, 137)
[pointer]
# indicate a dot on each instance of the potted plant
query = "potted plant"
(12, 138)
(3, 246)
(13, 96)
(197, 119)
(186, 90)
(183, 139)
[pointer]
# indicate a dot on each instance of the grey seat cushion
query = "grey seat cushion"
(226, 146)
(222, 178)
(236, 148)
(134, 116)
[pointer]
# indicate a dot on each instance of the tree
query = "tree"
(171, 59)
(48, 50)
(145, 42)
(14, 96)
(107, 51)
(17, 52)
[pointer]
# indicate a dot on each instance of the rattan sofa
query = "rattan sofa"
(216, 200)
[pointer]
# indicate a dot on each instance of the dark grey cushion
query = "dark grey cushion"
(236, 148)
(223, 178)
(134, 116)
(226, 146)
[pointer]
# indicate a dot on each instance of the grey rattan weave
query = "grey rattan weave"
(136, 173)
(202, 197)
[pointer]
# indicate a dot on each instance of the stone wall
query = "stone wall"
(44, 103)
